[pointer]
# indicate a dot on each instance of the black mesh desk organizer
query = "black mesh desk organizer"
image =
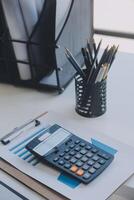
(46, 62)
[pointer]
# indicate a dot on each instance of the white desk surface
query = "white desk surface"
(17, 105)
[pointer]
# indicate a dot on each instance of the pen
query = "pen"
(100, 74)
(94, 46)
(95, 58)
(105, 71)
(74, 63)
(90, 51)
(109, 60)
(109, 55)
(103, 56)
(95, 49)
(89, 61)
(18, 130)
(116, 50)
(88, 55)
(85, 58)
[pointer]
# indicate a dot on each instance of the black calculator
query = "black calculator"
(70, 154)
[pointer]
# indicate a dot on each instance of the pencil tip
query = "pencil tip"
(107, 47)
(66, 53)
(100, 41)
(118, 47)
(87, 41)
(66, 49)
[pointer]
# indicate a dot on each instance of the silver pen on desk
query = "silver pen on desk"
(19, 130)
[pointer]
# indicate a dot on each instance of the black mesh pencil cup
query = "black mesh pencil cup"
(92, 104)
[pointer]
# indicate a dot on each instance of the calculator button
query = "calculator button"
(67, 150)
(84, 159)
(61, 155)
(82, 144)
(92, 170)
(79, 163)
(61, 162)
(95, 158)
(72, 153)
(88, 147)
(73, 160)
(67, 166)
(103, 155)
(107, 157)
(94, 150)
(90, 162)
(77, 141)
(80, 172)
(86, 176)
(83, 151)
(56, 150)
(74, 168)
(56, 159)
(70, 140)
(78, 156)
(77, 149)
(89, 154)
(102, 161)
(85, 167)
(67, 157)
(72, 146)
(67, 142)
(97, 166)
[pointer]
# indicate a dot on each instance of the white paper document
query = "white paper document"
(99, 189)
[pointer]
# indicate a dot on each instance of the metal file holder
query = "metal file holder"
(59, 76)
(9, 63)
(95, 104)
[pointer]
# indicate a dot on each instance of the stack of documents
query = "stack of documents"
(55, 185)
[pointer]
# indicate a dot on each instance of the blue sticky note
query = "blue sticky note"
(68, 180)
(104, 147)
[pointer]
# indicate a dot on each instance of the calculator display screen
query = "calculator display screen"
(52, 141)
